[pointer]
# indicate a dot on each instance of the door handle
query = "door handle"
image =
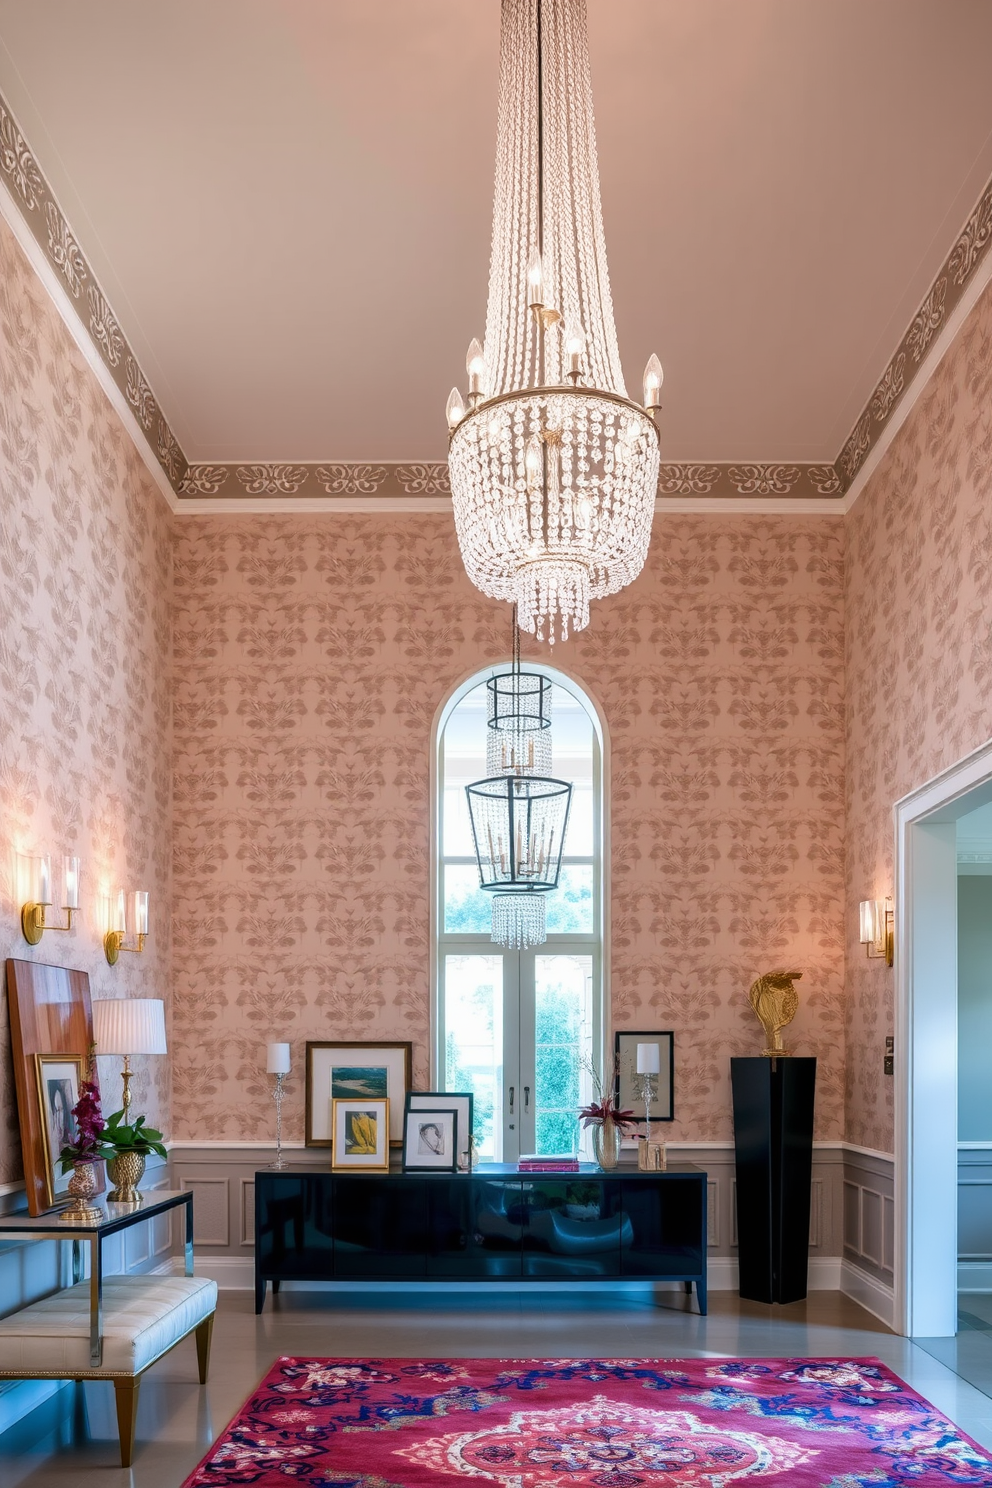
(526, 1098)
(511, 1098)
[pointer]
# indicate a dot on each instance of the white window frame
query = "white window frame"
(442, 943)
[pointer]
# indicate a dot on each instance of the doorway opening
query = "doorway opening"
(938, 1005)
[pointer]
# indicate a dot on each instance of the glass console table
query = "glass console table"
(115, 1217)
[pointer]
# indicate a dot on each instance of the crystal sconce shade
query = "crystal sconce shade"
(877, 930)
(117, 928)
(37, 894)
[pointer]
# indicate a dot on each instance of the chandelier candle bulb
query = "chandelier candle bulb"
(535, 280)
(475, 366)
(653, 379)
(455, 409)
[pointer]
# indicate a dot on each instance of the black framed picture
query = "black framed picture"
(430, 1140)
(449, 1100)
(630, 1084)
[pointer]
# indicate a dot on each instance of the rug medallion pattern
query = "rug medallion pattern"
(591, 1423)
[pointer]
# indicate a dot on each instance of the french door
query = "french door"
(521, 1031)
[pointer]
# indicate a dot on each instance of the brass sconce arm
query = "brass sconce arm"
(113, 944)
(34, 923)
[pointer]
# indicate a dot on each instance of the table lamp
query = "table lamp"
(277, 1063)
(129, 1025)
(650, 1154)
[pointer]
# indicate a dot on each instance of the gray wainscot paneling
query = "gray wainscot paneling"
(30, 1269)
(869, 1230)
(222, 1179)
(975, 1217)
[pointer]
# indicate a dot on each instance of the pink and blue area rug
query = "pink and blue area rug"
(589, 1423)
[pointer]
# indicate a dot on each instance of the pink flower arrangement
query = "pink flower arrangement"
(598, 1113)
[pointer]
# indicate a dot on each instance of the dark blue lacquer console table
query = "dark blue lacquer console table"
(493, 1224)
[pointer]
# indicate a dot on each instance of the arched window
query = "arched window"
(522, 1030)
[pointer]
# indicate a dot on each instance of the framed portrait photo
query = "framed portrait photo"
(430, 1140)
(355, 1071)
(361, 1135)
(630, 1088)
(449, 1100)
(58, 1078)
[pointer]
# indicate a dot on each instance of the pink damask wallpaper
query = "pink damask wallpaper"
(919, 659)
(311, 656)
(85, 560)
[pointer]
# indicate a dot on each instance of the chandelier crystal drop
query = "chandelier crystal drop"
(553, 469)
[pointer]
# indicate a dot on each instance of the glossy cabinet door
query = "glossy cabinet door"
(572, 1228)
(476, 1228)
(380, 1227)
(293, 1228)
(667, 1227)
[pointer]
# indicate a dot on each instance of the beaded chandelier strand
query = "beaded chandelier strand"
(553, 468)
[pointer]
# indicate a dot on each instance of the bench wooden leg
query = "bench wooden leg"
(203, 1336)
(126, 1393)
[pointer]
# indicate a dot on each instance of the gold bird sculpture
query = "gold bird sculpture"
(775, 1001)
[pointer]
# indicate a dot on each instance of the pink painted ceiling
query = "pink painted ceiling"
(288, 202)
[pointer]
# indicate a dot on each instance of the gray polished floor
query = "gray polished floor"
(72, 1439)
(969, 1354)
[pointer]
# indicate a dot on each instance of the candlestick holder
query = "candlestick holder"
(277, 1096)
(650, 1155)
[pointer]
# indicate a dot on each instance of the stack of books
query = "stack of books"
(534, 1162)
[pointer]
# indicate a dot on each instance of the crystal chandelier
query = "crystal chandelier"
(519, 813)
(553, 469)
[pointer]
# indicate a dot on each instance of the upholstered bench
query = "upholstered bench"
(143, 1318)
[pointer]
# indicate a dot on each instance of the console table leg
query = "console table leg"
(701, 1297)
(260, 1285)
(275, 1287)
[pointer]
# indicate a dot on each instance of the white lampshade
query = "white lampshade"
(129, 1025)
(277, 1060)
(648, 1059)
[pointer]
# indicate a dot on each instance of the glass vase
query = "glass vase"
(606, 1144)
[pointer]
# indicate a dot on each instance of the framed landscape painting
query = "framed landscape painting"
(355, 1072)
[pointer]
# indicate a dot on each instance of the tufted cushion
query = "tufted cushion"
(142, 1317)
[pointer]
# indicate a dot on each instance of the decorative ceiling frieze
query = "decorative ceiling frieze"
(222, 482)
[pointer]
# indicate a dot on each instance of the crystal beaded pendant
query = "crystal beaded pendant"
(553, 468)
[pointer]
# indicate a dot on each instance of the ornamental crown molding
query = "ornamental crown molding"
(424, 485)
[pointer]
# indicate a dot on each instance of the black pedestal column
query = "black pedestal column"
(773, 1136)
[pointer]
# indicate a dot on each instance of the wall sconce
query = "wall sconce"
(113, 941)
(36, 894)
(877, 933)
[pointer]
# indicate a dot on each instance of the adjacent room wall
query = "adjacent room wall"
(974, 1007)
(311, 655)
(85, 570)
(919, 660)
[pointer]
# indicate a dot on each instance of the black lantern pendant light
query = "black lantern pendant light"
(520, 813)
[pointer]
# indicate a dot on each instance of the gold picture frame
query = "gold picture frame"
(361, 1136)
